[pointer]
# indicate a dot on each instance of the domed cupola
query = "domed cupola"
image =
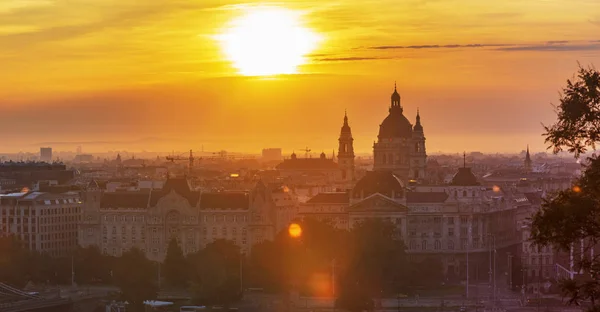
(395, 125)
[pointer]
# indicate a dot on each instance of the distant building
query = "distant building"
(81, 158)
(272, 154)
(46, 154)
(45, 222)
(27, 174)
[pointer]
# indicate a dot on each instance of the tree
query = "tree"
(375, 264)
(572, 216)
(175, 266)
(215, 277)
(134, 275)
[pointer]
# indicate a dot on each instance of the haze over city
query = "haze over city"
(158, 75)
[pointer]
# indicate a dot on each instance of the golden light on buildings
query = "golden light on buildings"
(25, 190)
(496, 188)
(234, 175)
(576, 189)
(267, 41)
(295, 230)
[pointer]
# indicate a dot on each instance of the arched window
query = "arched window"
(437, 245)
(464, 193)
(455, 193)
(424, 245)
(451, 245)
(417, 147)
(345, 148)
(413, 245)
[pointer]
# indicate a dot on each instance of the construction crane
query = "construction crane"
(190, 160)
(306, 150)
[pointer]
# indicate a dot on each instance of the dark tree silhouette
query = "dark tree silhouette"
(375, 264)
(573, 215)
(215, 277)
(175, 266)
(135, 276)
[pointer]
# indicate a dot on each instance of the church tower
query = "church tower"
(528, 162)
(346, 152)
(397, 143)
(419, 154)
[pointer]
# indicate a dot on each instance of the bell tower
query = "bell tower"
(418, 153)
(346, 152)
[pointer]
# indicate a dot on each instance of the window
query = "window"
(451, 245)
(424, 245)
(90, 231)
(464, 219)
(104, 230)
(413, 244)
(214, 231)
(450, 220)
(224, 231)
(450, 232)
(437, 220)
(464, 193)
(437, 245)
(234, 231)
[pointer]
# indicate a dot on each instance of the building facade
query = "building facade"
(43, 221)
(150, 219)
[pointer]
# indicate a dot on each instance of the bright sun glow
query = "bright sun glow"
(267, 42)
(295, 230)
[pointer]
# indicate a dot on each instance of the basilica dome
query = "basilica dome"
(395, 125)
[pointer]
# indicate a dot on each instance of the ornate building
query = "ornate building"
(400, 147)
(149, 219)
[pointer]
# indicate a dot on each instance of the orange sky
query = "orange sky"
(123, 75)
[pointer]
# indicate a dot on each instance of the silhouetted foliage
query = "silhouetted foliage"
(215, 273)
(578, 125)
(175, 266)
(572, 216)
(135, 276)
(375, 266)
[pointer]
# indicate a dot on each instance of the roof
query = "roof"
(308, 164)
(330, 198)
(383, 182)
(426, 197)
(464, 177)
(535, 198)
(225, 200)
(180, 186)
(125, 200)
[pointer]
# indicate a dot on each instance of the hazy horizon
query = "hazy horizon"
(482, 75)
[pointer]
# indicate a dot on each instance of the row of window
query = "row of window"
(437, 245)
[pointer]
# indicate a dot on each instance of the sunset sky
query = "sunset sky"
(129, 74)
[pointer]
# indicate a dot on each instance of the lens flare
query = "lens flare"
(295, 230)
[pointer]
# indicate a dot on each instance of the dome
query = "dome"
(395, 125)
(382, 182)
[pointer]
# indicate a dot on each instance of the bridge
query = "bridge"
(15, 300)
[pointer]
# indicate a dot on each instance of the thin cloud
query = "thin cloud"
(554, 47)
(349, 59)
(437, 46)
(558, 42)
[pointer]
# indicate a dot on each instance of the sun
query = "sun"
(268, 41)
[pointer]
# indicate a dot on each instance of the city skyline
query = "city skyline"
(121, 73)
